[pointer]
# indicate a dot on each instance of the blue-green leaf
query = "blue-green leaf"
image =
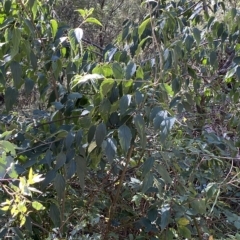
(16, 70)
(110, 149)
(81, 170)
(125, 137)
(140, 126)
(166, 126)
(124, 103)
(130, 70)
(100, 134)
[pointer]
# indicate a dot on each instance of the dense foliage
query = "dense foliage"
(137, 138)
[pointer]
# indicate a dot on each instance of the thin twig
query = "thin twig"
(58, 120)
(113, 205)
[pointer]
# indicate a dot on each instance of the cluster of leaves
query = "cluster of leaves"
(126, 148)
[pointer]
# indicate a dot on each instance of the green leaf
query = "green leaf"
(140, 126)
(16, 38)
(100, 134)
(220, 29)
(28, 224)
(210, 21)
(165, 127)
(11, 95)
(60, 160)
(54, 27)
(231, 72)
(185, 232)
(126, 86)
(91, 133)
(7, 166)
(130, 70)
(37, 205)
(199, 205)
(192, 72)
(29, 26)
(57, 67)
(165, 216)
(59, 184)
(237, 224)
(70, 168)
(7, 6)
(125, 137)
(33, 6)
(16, 70)
(110, 149)
(124, 103)
(75, 37)
(152, 214)
(106, 87)
(186, 106)
(169, 89)
(155, 110)
(213, 58)
(82, 12)
(159, 117)
(238, 73)
(105, 70)
(81, 169)
(79, 137)
(117, 71)
(139, 73)
(188, 41)
(143, 26)
(54, 214)
(48, 178)
(33, 60)
(176, 85)
(93, 20)
(69, 140)
(197, 35)
(78, 79)
(139, 97)
(104, 109)
(147, 166)
(189, 98)
(7, 147)
(164, 173)
(147, 182)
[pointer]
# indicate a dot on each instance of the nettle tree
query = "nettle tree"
(139, 141)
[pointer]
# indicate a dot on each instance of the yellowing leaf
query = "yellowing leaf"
(37, 205)
(23, 220)
(5, 208)
(37, 178)
(22, 207)
(183, 221)
(30, 176)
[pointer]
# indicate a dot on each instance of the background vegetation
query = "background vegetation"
(120, 119)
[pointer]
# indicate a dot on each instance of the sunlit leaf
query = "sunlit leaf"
(37, 205)
(93, 20)
(143, 26)
(54, 27)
